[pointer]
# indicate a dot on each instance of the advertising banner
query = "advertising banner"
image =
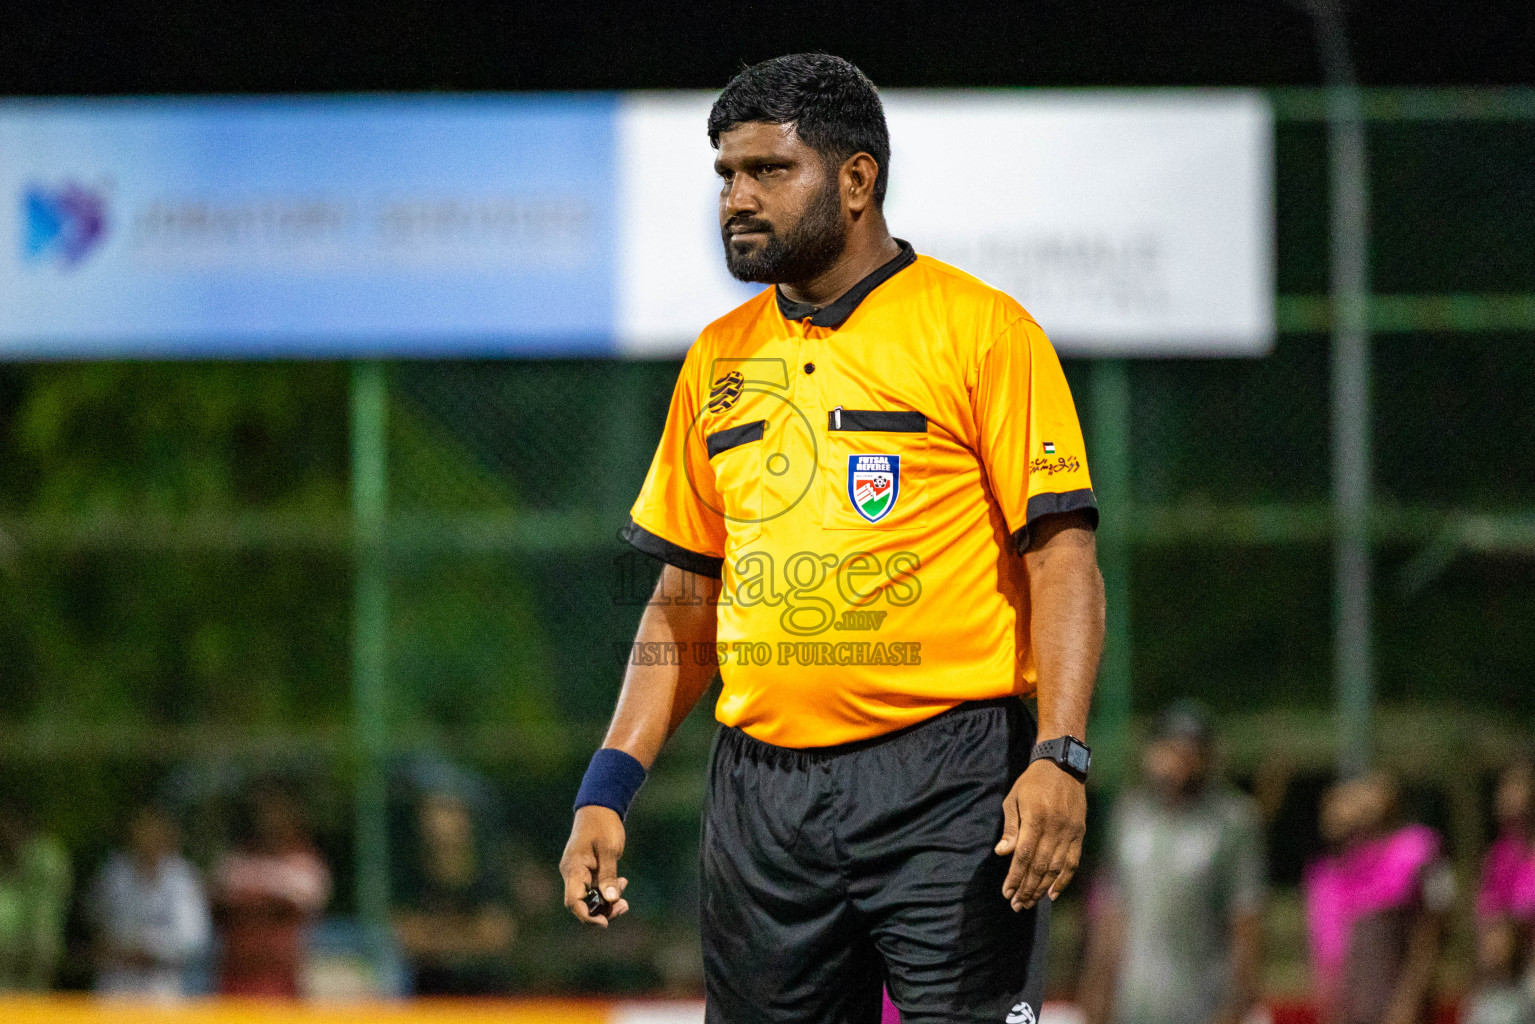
(312, 227)
(1129, 223)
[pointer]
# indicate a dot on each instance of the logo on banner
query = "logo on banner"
(61, 225)
(873, 484)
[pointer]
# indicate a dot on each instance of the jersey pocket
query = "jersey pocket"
(735, 456)
(876, 471)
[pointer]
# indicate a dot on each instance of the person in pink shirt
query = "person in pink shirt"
(1375, 908)
(1506, 900)
(1508, 872)
(265, 892)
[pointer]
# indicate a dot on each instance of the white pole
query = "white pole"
(1351, 463)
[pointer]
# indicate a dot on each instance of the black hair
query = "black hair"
(833, 106)
(1185, 720)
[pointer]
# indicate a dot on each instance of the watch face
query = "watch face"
(1078, 757)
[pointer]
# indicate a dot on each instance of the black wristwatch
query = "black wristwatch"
(1072, 755)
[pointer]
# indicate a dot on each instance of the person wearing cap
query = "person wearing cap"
(1176, 934)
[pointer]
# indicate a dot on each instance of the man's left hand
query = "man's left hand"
(1044, 818)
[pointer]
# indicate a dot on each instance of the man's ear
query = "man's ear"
(858, 176)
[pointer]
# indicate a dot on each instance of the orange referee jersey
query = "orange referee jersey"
(862, 478)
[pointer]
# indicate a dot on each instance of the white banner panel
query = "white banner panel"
(672, 279)
(1129, 223)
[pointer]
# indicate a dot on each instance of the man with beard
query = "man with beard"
(872, 502)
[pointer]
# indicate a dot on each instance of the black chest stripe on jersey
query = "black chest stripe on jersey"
(877, 420)
(734, 437)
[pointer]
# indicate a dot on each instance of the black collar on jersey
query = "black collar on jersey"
(835, 314)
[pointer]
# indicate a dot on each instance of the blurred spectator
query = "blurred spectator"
(451, 907)
(1375, 907)
(1177, 918)
(34, 897)
(536, 892)
(1507, 895)
(1502, 949)
(150, 912)
(265, 892)
(1505, 907)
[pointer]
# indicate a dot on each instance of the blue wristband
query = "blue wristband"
(611, 781)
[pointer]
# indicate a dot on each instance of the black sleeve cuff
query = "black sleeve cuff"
(671, 554)
(1080, 500)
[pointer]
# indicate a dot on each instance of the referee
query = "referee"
(873, 505)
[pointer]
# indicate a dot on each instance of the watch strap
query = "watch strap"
(1070, 754)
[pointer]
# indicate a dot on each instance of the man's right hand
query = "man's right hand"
(591, 859)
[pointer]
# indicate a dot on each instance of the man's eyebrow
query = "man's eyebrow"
(747, 163)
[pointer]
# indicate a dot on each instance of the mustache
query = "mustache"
(742, 225)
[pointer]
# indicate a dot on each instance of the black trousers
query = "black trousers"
(828, 872)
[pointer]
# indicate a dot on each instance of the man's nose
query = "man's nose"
(741, 197)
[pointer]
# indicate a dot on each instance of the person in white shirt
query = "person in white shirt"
(150, 913)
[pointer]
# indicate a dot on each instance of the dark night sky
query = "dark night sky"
(202, 46)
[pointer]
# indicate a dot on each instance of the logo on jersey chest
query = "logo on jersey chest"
(873, 484)
(725, 392)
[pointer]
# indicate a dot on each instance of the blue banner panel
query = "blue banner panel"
(310, 227)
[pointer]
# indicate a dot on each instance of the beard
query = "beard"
(803, 253)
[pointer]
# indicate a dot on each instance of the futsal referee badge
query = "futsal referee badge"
(873, 484)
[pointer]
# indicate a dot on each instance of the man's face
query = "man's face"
(1355, 809)
(781, 215)
(445, 821)
(1176, 767)
(1515, 801)
(277, 822)
(151, 836)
